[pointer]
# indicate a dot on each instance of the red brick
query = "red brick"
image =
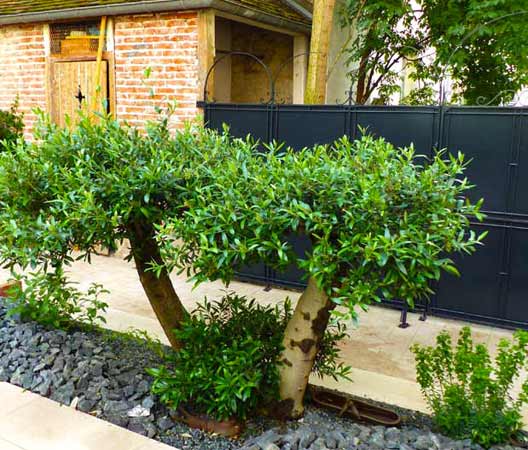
(168, 43)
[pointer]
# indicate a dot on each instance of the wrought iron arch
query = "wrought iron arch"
(286, 63)
(248, 55)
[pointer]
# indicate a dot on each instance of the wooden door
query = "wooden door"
(73, 87)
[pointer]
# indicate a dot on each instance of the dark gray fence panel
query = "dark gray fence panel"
(476, 292)
(516, 302)
(520, 167)
(494, 281)
(486, 136)
(300, 126)
(242, 120)
(400, 125)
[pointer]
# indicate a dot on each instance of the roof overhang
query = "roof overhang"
(157, 6)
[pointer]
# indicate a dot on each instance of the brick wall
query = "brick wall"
(23, 69)
(168, 44)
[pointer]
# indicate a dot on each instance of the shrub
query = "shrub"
(11, 124)
(228, 366)
(469, 395)
(51, 299)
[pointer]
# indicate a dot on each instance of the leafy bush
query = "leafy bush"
(469, 395)
(98, 183)
(228, 366)
(51, 299)
(11, 124)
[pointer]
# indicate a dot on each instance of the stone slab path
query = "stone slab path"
(31, 422)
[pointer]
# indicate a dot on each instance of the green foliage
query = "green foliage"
(228, 366)
(481, 45)
(380, 219)
(11, 124)
(91, 185)
(385, 36)
(50, 299)
(471, 396)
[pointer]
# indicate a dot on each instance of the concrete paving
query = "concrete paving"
(378, 351)
(31, 422)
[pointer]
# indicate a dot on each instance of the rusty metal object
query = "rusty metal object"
(356, 409)
(519, 439)
(6, 289)
(227, 428)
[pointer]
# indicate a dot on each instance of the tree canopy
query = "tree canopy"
(378, 218)
(95, 184)
(481, 45)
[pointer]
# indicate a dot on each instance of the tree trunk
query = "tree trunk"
(323, 17)
(361, 81)
(302, 339)
(159, 289)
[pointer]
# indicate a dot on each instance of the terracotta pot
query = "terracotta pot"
(227, 428)
(5, 289)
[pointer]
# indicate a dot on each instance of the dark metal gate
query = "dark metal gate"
(493, 287)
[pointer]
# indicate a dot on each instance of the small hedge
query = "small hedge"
(228, 366)
(471, 395)
(11, 124)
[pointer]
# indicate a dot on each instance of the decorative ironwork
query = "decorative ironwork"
(349, 99)
(80, 97)
(248, 55)
(486, 101)
(273, 78)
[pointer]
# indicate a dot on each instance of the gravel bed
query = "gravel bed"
(106, 378)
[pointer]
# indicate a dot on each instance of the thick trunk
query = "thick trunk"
(159, 289)
(302, 339)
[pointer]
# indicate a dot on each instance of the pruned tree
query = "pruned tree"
(381, 222)
(96, 184)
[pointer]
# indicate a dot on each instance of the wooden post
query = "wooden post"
(301, 47)
(323, 17)
(206, 48)
(100, 48)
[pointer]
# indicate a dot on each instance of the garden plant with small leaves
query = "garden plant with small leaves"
(470, 395)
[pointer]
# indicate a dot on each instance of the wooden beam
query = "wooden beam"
(301, 46)
(321, 31)
(47, 50)
(206, 50)
(256, 23)
(98, 79)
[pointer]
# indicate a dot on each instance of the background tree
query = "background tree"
(379, 222)
(481, 45)
(95, 185)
